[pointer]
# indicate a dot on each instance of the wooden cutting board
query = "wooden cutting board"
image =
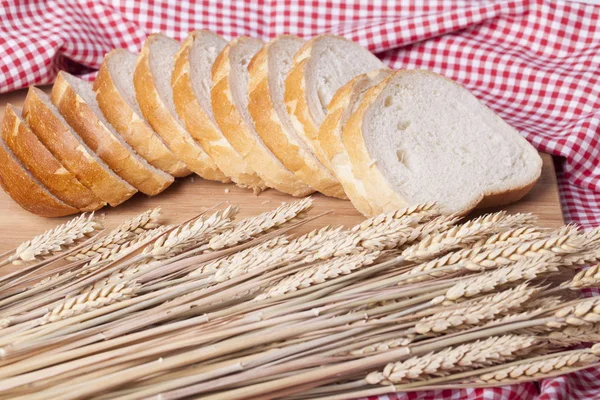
(189, 196)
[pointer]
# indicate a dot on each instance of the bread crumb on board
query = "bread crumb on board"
(226, 190)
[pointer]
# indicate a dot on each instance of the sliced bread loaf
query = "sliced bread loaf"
(268, 70)
(43, 165)
(229, 97)
(322, 66)
(152, 81)
(192, 82)
(76, 101)
(58, 137)
(116, 98)
(26, 190)
(341, 107)
(418, 137)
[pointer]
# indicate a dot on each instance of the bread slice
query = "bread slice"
(229, 97)
(268, 70)
(43, 165)
(152, 81)
(116, 98)
(192, 82)
(76, 101)
(418, 136)
(26, 190)
(58, 137)
(340, 108)
(322, 66)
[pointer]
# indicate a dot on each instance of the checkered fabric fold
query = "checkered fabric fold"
(535, 63)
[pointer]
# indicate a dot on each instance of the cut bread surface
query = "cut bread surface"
(322, 66)
(26, 190)
(116, 98)
(152, 81)
(341, 107)
(268, 70)
(229, 98)
(40, 162)
(419, 137)
(76, 101)
(192, 83)
(58, 137)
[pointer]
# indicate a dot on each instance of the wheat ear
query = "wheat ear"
(574, 335)
(512, 236)
(493, 350)
(56, 240)
(589, 277)
(90, 300)
(538, 367)
(583, 312)
(423, 211)
(249, 227)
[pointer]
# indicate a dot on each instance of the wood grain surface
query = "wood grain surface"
(189, 196)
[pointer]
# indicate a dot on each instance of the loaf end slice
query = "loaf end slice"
(322, 66)
(152, 82)
(268, 70)
(40, 162)
(115, 95)
(55, 133)
(26, 190)
(229, 97)
(192, 83)
(419, 137)
(341, 107)
(76, 101)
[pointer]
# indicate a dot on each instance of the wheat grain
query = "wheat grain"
(461, 235)
(560, 244)
(249, 227)
(320, 273)
(424, 211)
(512, 236)
(90, 300)
(574, 335)
(469, 356)
(198, 231)
(543, 367)
(586, 278)
(56, 240)
(477, 312)
(382, 346)
(583, 312)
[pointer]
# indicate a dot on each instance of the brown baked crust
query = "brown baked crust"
(164, 123)
(200, 126)
(241, 138)
(43, 165)
(270, 129)
(59, 139)
(101, 140)
(297, 106)
(26, 191)
(132, 127)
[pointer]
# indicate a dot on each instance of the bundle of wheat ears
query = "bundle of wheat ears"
(225, 308)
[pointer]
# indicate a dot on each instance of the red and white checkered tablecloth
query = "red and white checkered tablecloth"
(536, 63)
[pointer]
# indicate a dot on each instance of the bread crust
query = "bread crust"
(123, 161)
(43, 165)
(164, 123)
(330, 140)
(236, 131)
(131, 126)
(297, 107)
(269, 127)
(59, 139)
(386, 198)
(26, 191)
(201, 127)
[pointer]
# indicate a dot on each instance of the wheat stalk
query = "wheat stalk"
(493, 350)
(544, 366)
(90, 300)
(198, 231)
(476, 313)
(56, 240)
(252, 226)
(320, 273)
